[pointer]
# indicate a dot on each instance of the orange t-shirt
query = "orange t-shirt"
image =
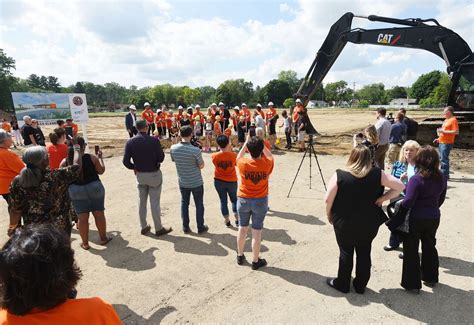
(56, 154)
(160, 120)
(254, 175)
(217, 128)
(91, 311)
(201, 116)
(10, 166)
(148, 115)
(295, 113)
(169, 122)
(178, 117)
(225, 163)
(449, 124)
(212, 116)
(246, 114)
(7, 127)
(271, 113)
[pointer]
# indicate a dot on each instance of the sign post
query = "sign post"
(79, 112)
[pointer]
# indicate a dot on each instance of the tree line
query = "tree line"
(429, 89)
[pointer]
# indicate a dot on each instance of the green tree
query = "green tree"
(337, 91)
(289, 102)
(235, 91)
(276, 91)
(291, 77)
(6, 80)
(34, 81)
(439, 95)
(52, 84)
(190, 95)
(396, 92)
(373, 93)
(425, 84)
(207, 95)
(79, 88)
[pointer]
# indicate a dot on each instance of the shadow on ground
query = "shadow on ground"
(301, 218)
(129, 317)
(426, 307)
(118, 254)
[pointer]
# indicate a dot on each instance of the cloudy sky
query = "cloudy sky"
(200, 43)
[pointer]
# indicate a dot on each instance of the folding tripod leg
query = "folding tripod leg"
(297, 172)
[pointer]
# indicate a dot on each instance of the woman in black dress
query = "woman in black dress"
(353, 206)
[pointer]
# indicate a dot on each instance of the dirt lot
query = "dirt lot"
(194, 278)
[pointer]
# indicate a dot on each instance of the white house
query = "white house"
(316, 103)
(402, 102)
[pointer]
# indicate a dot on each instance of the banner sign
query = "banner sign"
(47, 108)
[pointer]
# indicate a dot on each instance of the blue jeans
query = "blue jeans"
(224, 189)
(198, 196)
(252, 208)
(444, 150)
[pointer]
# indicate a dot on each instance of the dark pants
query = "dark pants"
(151, 128)
(413, 273)
(198, 196)
(223, 189)
(288, 137)
(133, 133)
(394, 240)
(346, 262)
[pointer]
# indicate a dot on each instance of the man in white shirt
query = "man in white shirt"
(383, 127)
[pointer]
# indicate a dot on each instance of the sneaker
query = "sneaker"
(260, 263)
(228, 224)
(187, 230)
(164, 231)
(146, 230)
(240, 259)
(389, 248)
(203, 229)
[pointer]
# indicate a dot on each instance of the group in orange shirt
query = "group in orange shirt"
(149, 116)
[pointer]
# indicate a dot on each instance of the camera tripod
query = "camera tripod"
(310, 151)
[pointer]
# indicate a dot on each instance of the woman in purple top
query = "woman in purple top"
(425, 193)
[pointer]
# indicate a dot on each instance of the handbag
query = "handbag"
(399, 217)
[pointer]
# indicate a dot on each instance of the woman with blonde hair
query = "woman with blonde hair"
(370, 139)
(353, 206)
(403, 169)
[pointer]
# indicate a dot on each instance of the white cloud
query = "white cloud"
(146, 43)
(391, 57)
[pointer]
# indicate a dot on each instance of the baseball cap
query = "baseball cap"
(270, 104)
(132, 107)
(146, 104)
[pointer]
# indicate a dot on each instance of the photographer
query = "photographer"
(252, 199)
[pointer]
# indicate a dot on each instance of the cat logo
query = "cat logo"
(387, 39)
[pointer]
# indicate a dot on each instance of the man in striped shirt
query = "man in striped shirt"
(189, 162)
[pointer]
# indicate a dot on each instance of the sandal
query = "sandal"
(104, 242)
(85, 247)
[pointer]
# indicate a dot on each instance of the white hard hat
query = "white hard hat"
(159, 110)
(214, 104)
(271, 104)
(237, 107)
(146, 104)
(221, 104)
(180, 107)
(243, 104)
(197, 106)
(258, 105)
(132, 107)
(298, 101)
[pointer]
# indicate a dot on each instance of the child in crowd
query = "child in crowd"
(174, 134)
(185, 120)
(286, 128)
(241, 130)
(208, 135)
(217, 129)
(197, 126)
(228, 131)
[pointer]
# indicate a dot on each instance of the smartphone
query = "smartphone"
(69, 134)
(96, 149)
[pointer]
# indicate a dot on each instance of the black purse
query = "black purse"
(399, 217)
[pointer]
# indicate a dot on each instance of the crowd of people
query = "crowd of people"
(54, 186)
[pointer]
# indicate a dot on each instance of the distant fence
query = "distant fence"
(395, 106)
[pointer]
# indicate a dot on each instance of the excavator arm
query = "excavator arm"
(416, 34)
